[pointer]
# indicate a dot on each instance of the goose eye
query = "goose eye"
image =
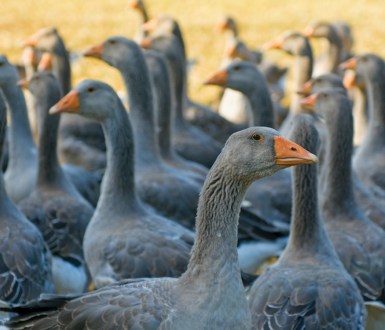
(236, 68)
(112, 42)
(90, 89)
(1, 63)
(257, 137)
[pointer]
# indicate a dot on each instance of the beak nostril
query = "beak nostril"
(293, 149)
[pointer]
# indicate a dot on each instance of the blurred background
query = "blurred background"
(84, 23)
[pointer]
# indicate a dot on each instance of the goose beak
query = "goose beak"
(349, 64)
(309, 102)
(306, 88)
(349, 79)
(222, 25)
(309, 32)
(69, 103)
(95, 51)
(146, 43)
(23, 83)
(134, 4)
(276, 43)
(231, 51)
(220, 79)
(288, 153)
(31, 41)
(150, 25)
(45, 63)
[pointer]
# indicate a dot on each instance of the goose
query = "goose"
(369, 158)
(374, 207)
(168, 40)
(297, 45)
(210, 294)
(80, 140)
(25, 261)
(54, 205)
(359, 242)
(308, 287)
(165, 188)
(140, 7)
(129, 239)
(327, 62)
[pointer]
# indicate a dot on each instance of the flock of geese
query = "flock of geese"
(151, 211)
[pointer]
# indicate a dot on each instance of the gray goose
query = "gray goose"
(80, 140)
(125, 238)
(370, 156)
(165, 188)
(140, 7)
(297, 45)
(23, 157)
(308, 287)
(359, 242)
(373, 206)
(210, 294)
(164, 113)
(25, 261)
(327, 62)
(54, 205)
(196, 114)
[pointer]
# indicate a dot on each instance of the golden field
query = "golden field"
(84, 23)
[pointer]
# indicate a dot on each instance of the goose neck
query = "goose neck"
(118, 185)
(217, 223)
(61, 67)
(140, 100)
(302, 72)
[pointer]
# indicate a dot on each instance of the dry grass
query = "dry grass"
(84, 23)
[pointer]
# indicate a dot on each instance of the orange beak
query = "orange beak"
(306, 88)
(150, 25)
(95, 51)
(220, 79)
(31, 41)
(45, 63)
(23, 83)
(309, 102)
(349, 79)
(134, 4)
(146, 43)
(231, 51)
(69, 103)
(288, 153)
(309, 32)
(222, 25)
(276, 43)
(349, 64)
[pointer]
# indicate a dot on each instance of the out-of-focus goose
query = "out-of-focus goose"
(125, 238)
(80, 140)
(25, 261)
(54, 205)
(359, 242)
(210, 293)
(308, 288)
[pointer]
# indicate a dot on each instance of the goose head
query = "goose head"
(262, 151)
(319, 30)
(239, 75)
(46, 39)
(368, 66)
(323, 81)
(39, 83)
(292, 42)
(91, 98)
(116, 51)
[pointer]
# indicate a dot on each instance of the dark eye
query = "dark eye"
(257, 137)
(364, 59)
(112, 42)
(236, 68)
(1, 63)
(90, 89)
